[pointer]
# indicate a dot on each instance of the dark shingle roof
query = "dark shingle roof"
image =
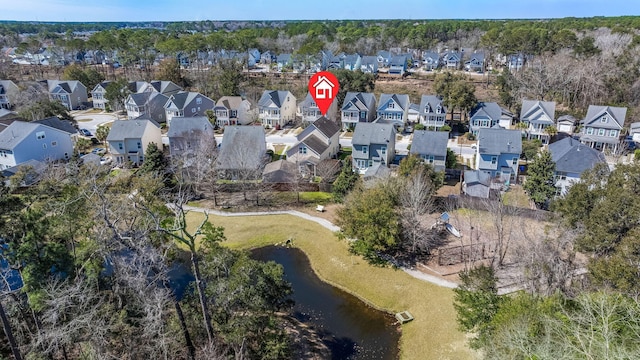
(430, 142)
(401, 99)
(182, 125)
(56, 123)
(571, 156)
(499, 141)
(360, 101)
(327, 127)
(433, 101)
(278, 98)
(315, 144)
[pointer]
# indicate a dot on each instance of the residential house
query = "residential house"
(398, 65)
(71, 94)
(488, 115)
(129, 139)
(284, 62)
(430, 60)
(139, 86)
(373, 146)
(187, 104)
(413, 115)
(191, 135)
(357, 107)
(572, 158)
(280, 172)
(452, 60)
(476, 184)
(515, 62)
(8, 92)
(30, 170)
(634, 131)
(433, 113)
(566, 124)
(311, 112)
(268, 57)
(23, 141)
(276, 108)
(167, 88)
(384, 57)
(253, 57)
(97, 95)
(336, 62)
(319, 141)
(243, 153)
(352, 62)
(497, 153)
(394, 108)
(431, 147)
(62, 125)
(602, 127)
(369, 65)
(538, 116)
(475, 62)
(232, 110)
(148, 103)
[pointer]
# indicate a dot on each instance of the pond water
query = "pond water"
(350, 328)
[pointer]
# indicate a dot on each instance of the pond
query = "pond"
(350, 328)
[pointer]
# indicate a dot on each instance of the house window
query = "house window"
(438, 110)
(600, 132)
(370, 163)
(365, 149)
(302, 150)
(431, 159)
(54, 143)
(120, 146)
(363, 114)
(613, 133)
(234, 113)
(589, 131)
(193, 110)
(361, 164)
(515, 161)
(199, 101)
(494, 160)
(383, 150)
(139, 145)
(603, 119)
(391, 105)
(40, 135)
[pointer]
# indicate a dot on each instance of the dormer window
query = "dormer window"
(365, 149)
(438, 110)
(427, 109)
(391, 105)
(604, 119)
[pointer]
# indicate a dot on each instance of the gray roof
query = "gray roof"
(181, 99)
(634, 128)
(284, 58)
(243, 147)
(399, 60)
(15, 133)
(477, 177)
(369, 60)
(490, 109)
(165, 87)
(571, 156)
(137, 86)
(129, 129)
(532, 107)
(181, 125)
(401, 99)
(567, 118)
(229, 102)
(430, 54)
(433, 102)
(277, 96)
(478, 56)
(372, 133)
(56, 86)
(279, 171)
(430, 142)
(595, 112)
(101, 86)
(377, 171)
(499, 141)
(56, 123)
(359, 101)
(327, 127)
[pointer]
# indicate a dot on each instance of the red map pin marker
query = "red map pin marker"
(323, 87)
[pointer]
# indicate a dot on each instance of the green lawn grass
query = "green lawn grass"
(432, 335)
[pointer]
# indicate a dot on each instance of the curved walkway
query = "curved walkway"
(326, 224)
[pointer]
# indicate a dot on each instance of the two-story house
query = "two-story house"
(572, 158)
(497, 153)
(149, 104)
(431, 147)
(163, 87)
(71, 94)
(284, 62)
(538, 116)
(128, 140)
(452, 60)
(394, 108)
(97, 95)
(430, 60)
(8, 92)
(373, 145)
(319, 141)
(232, 110)
(187, 104)
(352, 62)
(602, 127)
(311, 112)
(276, 108)
(433, 113)
(475, 62)
(515, 62)
(398, 65)
(190, 135)
(487, 115)
(357, 108)
(24, 141)
(384, 57)
(369, 65)
(243, 153)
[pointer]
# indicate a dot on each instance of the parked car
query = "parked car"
(99, 151)
(85, 132)
(105, 160)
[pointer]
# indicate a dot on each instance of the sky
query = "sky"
(197, 10)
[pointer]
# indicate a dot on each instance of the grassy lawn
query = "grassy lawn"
(279, 149)
(306, 197)
(516, 196)
(345, 152)
(432, 335)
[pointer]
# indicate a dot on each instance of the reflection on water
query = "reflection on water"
(350, 328)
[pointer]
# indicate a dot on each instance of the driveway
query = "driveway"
(91, 121)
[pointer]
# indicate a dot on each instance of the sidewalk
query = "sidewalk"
(326, 224)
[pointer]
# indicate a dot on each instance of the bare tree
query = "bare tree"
(415, 202)
(504, 220)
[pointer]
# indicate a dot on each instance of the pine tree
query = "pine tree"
(540, 185)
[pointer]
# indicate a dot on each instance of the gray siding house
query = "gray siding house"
(572, 158)
(476, 184)
(431, 146)
(97, 95)
(430, 60)
(498, 152)
(8, 92)
(149, 103)
(602, 127)
(189, 135)
(187, 104)
(129, 139)
(24, 141)
(358, 108)
(373, 146)
(319, 141)
(398, 65)
(475, 62)
(71, 94)
(488, 115)
(310, 111)
(538, 115)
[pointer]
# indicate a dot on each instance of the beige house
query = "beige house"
(129, 139)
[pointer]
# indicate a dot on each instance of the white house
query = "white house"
(24, 141)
